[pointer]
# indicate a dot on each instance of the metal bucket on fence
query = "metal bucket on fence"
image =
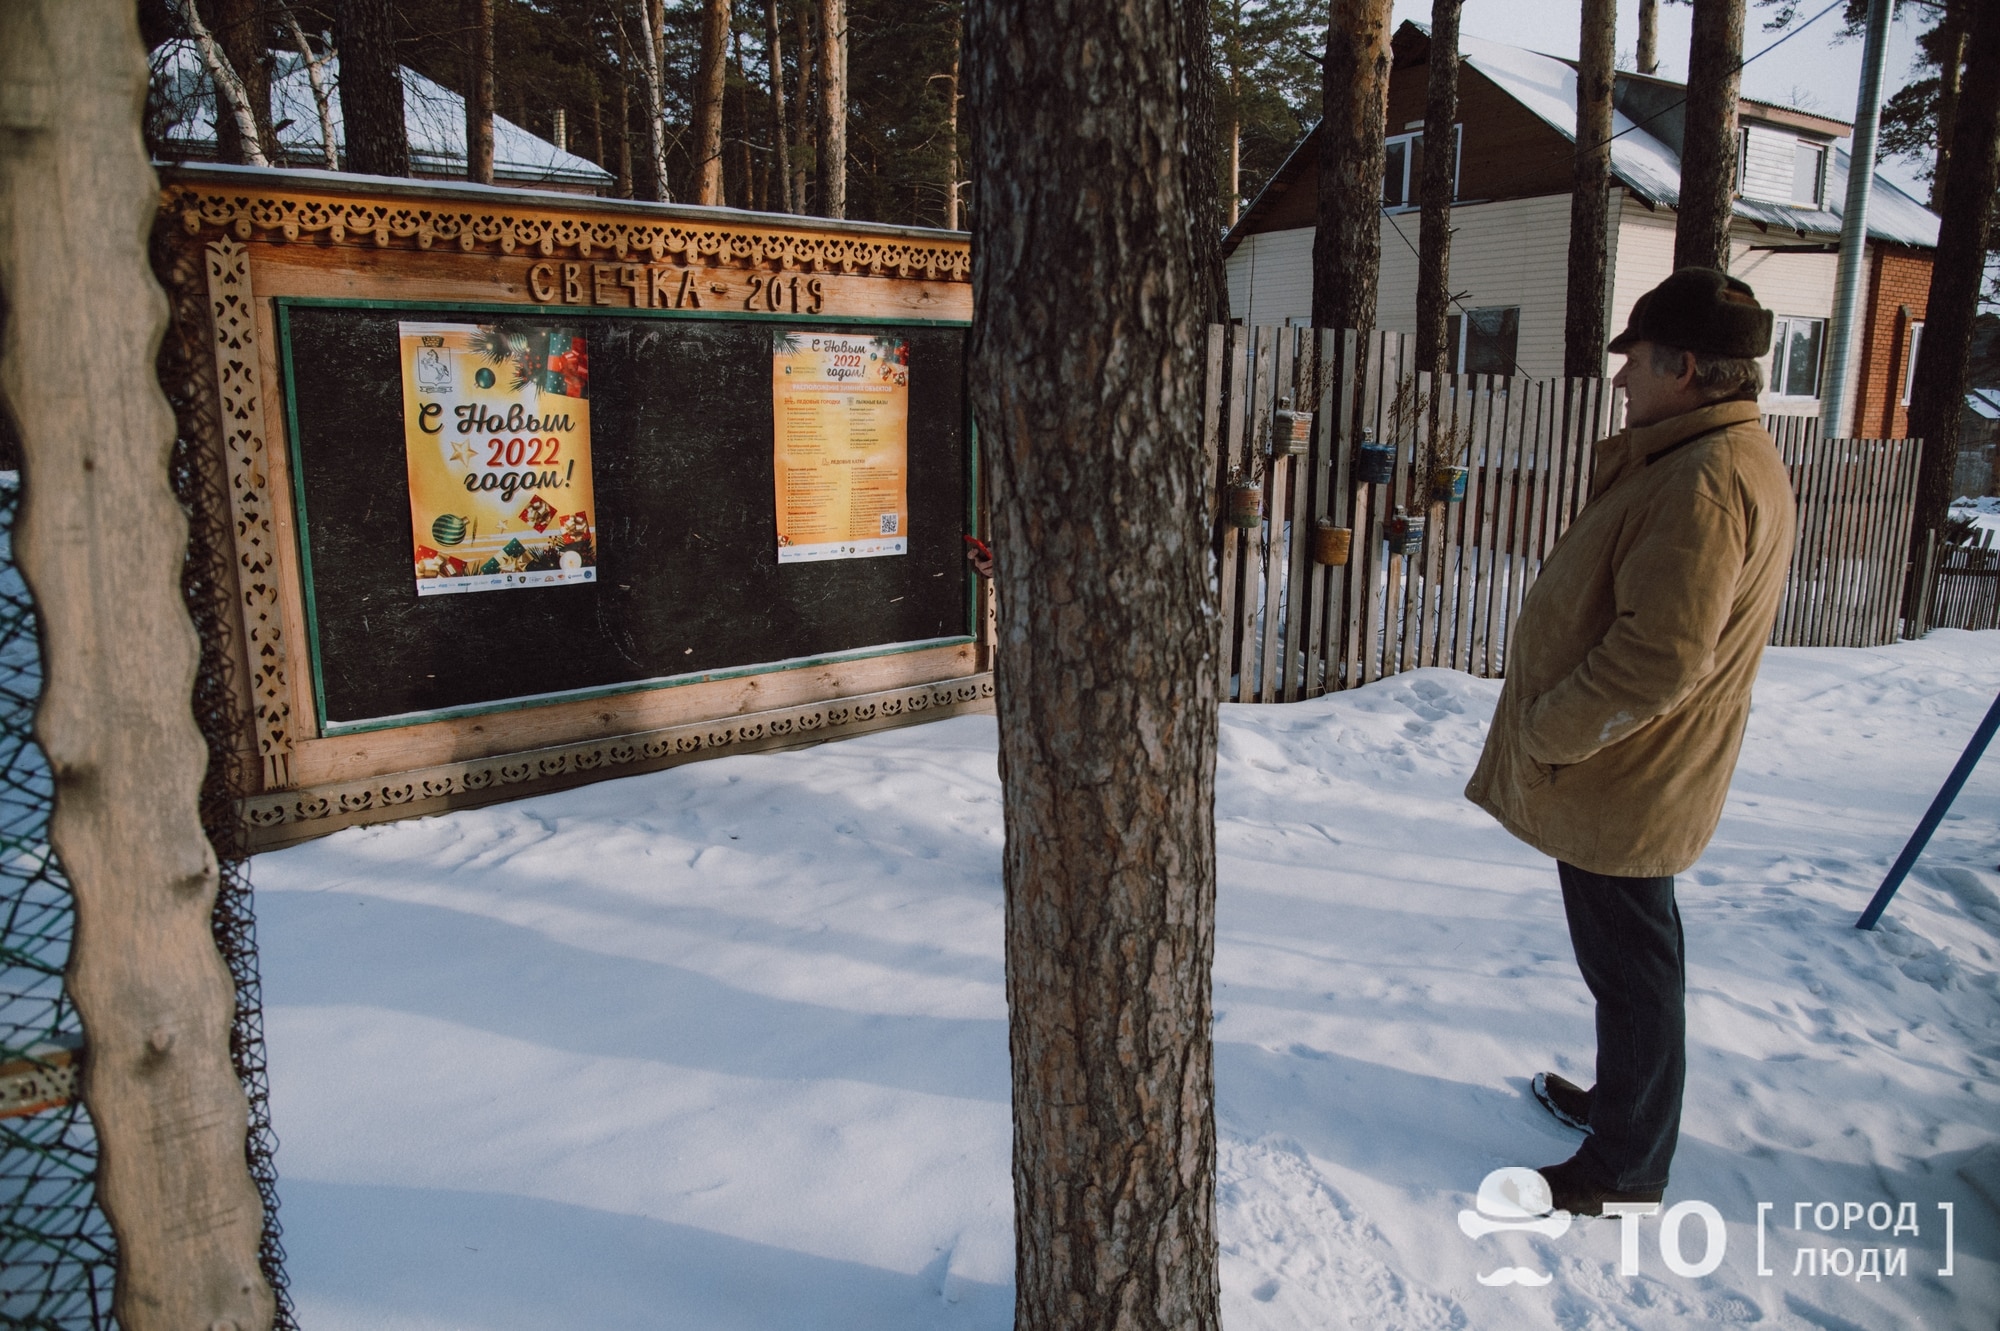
(1448, 484)
(1405, 533)
(1246, 504)
(1374, 464)
(1331, 543)
(1291, 431)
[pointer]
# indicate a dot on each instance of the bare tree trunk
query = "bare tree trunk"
(1649, 37)
(243, 29)
(1235, 168)
(1584, 332)
(1937, 397)
(1439, 186)
(1203, 182)
(653, 76)
(1708, 153)
(624, 113)
(774, 55)
(100, 544)
(1950, 40)
(833, 107)
(708, 85)
(237, 138)
(479, 93)
(371, 88)
(322, 99)
(952, 163)
(1347, 244)
(1091, 414)
(804, 153)
(745, 195)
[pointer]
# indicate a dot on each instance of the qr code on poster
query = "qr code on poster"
(891, 523)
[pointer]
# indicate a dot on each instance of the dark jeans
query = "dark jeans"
(1627, 935)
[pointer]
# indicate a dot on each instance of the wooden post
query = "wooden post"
(100, 543)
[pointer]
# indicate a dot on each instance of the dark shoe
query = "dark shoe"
(1573, 1188)
(1569, 1102)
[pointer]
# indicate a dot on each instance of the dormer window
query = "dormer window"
(1773, 166)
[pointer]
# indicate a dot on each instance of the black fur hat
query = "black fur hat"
(1702, 310)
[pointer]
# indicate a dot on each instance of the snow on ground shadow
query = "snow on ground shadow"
(725, 1046)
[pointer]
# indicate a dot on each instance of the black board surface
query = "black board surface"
(689, 580)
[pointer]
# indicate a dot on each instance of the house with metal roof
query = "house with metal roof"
(182, 109)
(1515, 147)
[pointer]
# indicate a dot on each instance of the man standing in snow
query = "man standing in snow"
(1628, 685)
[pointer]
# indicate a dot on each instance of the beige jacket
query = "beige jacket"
(1629, 672)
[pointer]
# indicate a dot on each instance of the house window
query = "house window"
(1808, 174)
(1403, 169)
(1483, 341)
(1910, 368)
(1795, 355)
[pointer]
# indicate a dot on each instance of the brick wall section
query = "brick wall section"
(1899, 285)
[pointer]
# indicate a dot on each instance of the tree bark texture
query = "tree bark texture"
(804, 152)
(774, 59)
(1708, 154)
(708, 86)
(243, 29)
(1204, 185)
(479, 93)
(1937, 397)
(1648, 59)
(953, 166)
(1347, 243)
(1584, 332)
(1434, 224)
(371, 88)
(239, 136)
(833, 108)
(329, 145)
(100, 543)
(651, 26)
(1950, 44)
(1090, 414)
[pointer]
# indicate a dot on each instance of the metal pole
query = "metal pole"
(1854, 220)
(1939, 807)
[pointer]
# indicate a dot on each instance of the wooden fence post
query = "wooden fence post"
(100, 543)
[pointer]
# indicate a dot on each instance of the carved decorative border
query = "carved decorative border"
(233, 316)
(281, 216)
(621, 755)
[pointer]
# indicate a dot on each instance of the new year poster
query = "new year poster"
(496, 428)
(842, 409)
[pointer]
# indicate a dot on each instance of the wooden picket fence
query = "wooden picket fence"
(1964, 591)
(1295, 628)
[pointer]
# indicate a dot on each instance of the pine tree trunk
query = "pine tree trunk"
(1584, 332)
(1439, 185)
(1708, 153)
(1090, 413)
(774, 56)
(1204, 185)
(479, 94)
(371, 88)
(242, 28)
(1938, 395)
(1648, 59)
(1347, 244)
(1952, 33)
(708, 86)
(804, 154)
(833, 108)
(624, 115)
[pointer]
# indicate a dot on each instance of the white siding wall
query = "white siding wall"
(1511, 253)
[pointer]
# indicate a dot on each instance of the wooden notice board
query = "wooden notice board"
(360, 698)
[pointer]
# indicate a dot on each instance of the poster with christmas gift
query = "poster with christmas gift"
(496, 429)
(842, 408)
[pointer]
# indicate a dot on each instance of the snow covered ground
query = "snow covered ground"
(725, 1046)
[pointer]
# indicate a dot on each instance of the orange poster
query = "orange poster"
(496, 430)
(842, 407)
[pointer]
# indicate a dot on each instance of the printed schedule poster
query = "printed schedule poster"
(496, 426)
(842, 407)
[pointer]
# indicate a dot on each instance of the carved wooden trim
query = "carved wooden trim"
(233, 315)
(281, 817)
(288, 216)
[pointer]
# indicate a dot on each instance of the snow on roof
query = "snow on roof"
(1547, 87)
(1984, 402)
(433, 114)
